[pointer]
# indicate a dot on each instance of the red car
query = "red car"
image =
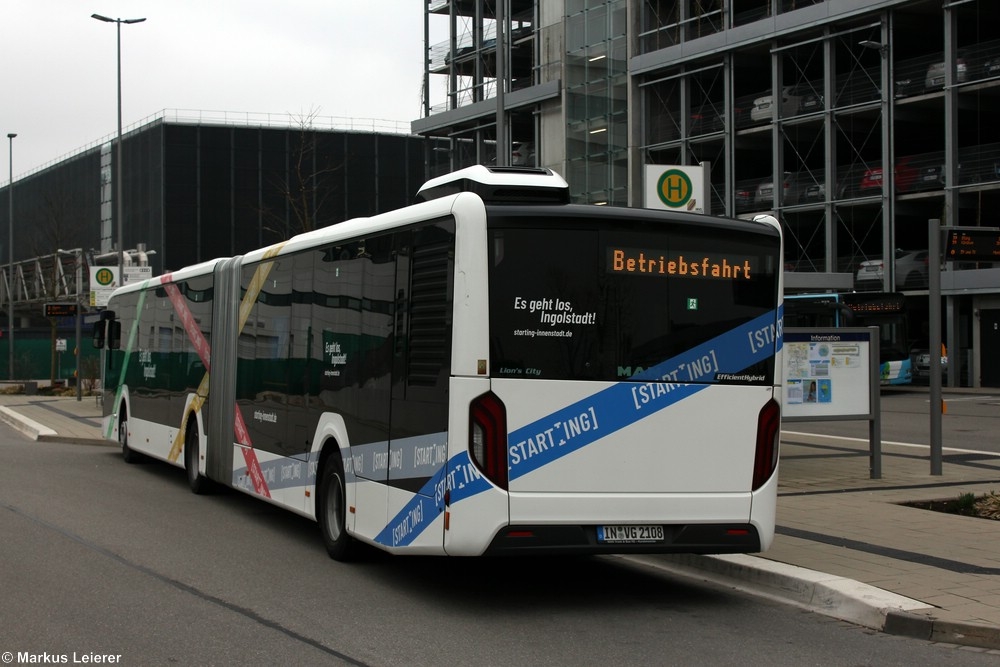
(905, 176)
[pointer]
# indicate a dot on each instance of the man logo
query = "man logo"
(674, 188)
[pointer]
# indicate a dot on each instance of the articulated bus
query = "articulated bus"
(886, 310)
(491, 370)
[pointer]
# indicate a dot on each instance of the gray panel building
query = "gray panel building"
(194, 190)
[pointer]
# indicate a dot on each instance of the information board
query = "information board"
(828, 373)
(60, 310)
(963, 244)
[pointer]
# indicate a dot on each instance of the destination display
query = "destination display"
(651, 262)
(973, 245)
(60, 310)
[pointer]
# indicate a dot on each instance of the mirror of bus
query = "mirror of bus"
(107, 332)
(114, 334)
(98, 336)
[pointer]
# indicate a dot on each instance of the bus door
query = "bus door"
(351, 321)
(262, 379)
(421, 356)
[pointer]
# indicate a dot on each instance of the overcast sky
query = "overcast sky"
(331, 58)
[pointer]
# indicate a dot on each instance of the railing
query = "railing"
(241, 119)
(45, 279)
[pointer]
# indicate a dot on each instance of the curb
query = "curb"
(837, 597)
(74, 440)
(937, 630)
(29, 427)
(41, 433)
(831, 595)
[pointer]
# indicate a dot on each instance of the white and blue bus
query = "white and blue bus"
(488, 371)
(885, 310)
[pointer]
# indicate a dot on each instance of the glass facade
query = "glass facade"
(596, 81)
(805, 123)
(852, 123)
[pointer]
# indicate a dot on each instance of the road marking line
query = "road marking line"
(889, 442)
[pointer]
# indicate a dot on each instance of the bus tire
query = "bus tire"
(199, 483)
(331, 510)
(129, 455)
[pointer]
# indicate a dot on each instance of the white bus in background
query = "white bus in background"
(489, 371)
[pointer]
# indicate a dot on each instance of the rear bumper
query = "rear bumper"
(690, 538)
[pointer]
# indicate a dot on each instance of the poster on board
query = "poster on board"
(828, 373)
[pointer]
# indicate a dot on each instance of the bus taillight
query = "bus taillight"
(768, 433)
(488, 438)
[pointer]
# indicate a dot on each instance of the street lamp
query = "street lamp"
(872, 44)
(10, 256)
(118, 168)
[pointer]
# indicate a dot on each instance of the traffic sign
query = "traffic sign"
(674, 188)
(103, 281)
(677, 187)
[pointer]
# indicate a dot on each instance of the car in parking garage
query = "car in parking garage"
(911, 271)
(810, 102)
(792, 187)
(814, 192)
(933, 176)
(762, 109)
(745, 194)
(936, 72)
(905, 175)
(523, 154)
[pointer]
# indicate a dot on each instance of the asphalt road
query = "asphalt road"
(107, 560)
(970, 420)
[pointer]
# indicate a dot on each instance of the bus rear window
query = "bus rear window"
(619, 301)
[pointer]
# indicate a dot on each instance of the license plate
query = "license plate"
(629, 534)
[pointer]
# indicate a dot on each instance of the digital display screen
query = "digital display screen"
(654, 263)
(979, 245)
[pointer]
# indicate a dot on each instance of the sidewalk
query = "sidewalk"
(845, 546)
(55, 418)
(869, 559)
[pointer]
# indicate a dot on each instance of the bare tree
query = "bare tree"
(55, 224)
(55, 227)
(304, 187)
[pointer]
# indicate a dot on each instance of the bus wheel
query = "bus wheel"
(199, 483)
(128, 454)
(331, 510)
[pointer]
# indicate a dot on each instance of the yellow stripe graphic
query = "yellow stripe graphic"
(246, 305)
